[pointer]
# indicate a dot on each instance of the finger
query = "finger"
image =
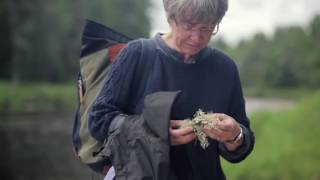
(213, 130)
(176, 123)
(181, 132)
(227, 125)
(187, 138)
(221, 116)
(213, 133)
(222, 126)
(220, 136)
(182, 139)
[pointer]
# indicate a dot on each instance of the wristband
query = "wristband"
(237, 139)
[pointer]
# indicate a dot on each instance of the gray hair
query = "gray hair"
(204, 11)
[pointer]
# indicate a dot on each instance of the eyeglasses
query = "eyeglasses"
(190, 27)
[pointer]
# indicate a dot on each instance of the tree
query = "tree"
(45, 35)
(5, 42)
(313, 55)
(128, 17)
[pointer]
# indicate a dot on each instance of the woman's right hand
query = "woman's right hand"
(179, 136)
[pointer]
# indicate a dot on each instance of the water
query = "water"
(268, 104)
(38, 147)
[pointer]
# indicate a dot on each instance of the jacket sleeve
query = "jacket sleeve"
(110, 106)
(238, 112)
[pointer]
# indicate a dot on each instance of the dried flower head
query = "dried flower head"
(198, 122)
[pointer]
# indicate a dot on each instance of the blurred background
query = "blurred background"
(276, 46)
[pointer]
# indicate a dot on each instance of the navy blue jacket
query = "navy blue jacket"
(211, 83)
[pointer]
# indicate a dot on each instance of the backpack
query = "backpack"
(99, 48)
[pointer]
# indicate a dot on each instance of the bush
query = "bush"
(45, 97)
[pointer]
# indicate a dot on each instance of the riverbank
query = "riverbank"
(254, 104)
(294, 94)
(62, 98)
(34, 98)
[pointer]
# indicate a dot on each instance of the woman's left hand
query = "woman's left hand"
(227, 130)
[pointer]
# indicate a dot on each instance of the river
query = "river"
(38, 146)
(268, 104)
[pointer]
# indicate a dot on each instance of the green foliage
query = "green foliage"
(40, 40)
(288, 59)
(5, 42)
(29, 98)
(128, 17)
(45, 37)
(286, 147)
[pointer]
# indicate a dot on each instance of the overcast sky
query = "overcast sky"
(246, 17)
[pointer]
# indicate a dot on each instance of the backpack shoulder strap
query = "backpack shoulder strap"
(148, 51)
(148, 48)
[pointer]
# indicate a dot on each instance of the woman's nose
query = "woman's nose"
(196, 36)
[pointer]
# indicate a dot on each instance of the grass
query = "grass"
(287, 145)
(44, 97)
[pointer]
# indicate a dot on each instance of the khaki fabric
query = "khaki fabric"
(94, 69)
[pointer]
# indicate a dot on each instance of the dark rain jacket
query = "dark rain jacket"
(140, 148)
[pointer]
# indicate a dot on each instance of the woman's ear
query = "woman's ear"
(170, 18)
(170, 21)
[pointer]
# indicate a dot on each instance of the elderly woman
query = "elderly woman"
(207, 78)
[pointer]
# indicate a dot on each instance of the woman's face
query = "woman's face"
(190, 37)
